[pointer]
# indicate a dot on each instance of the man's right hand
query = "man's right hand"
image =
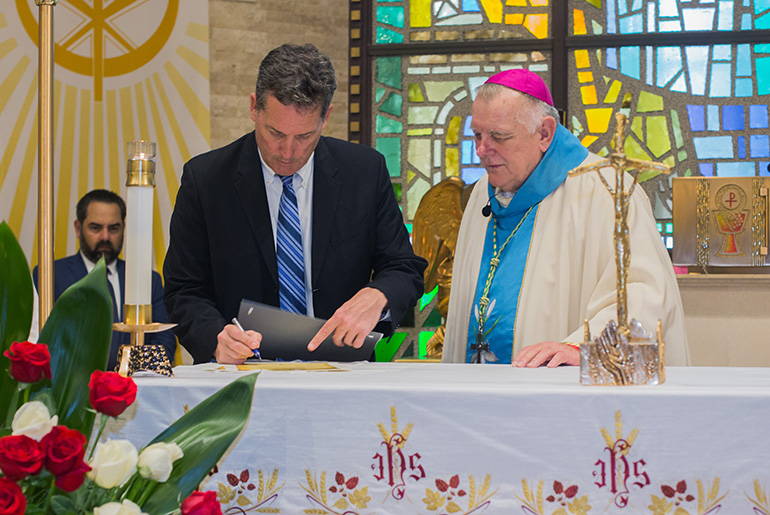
(234, 345)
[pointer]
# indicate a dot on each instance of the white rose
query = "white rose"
(116, 508)
(157, 460)
(113, 463)
(33, 420)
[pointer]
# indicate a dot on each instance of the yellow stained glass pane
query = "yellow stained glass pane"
(598, 119)
(467, 58)
(494, 10)
(649, 102)
(579, 22)
(409, 176)
(447, 35)
(514, 19)
(585, 77)
(422, 35)
(453, 131)
(634, 150)
(415, 95)
(587, 140)
(636, 127)
(419, 132)
(537, 24)
(658, 138)
(518, 57)
(480, 34)
(516, 3)
(581, 59)
(419, 155)
(452, 161)
(419, 13)
(613, 92)
(427, 59)
(439, 91)
(588, 93)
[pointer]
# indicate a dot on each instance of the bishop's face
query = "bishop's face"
(286, 136)
(101, 233)
(508, 149)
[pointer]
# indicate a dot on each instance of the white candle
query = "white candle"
(139, 215)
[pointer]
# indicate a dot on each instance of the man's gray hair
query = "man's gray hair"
(532, 117)
(297, 75)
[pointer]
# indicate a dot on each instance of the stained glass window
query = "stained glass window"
(692, 75)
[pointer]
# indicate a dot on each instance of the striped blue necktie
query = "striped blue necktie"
(291, 262)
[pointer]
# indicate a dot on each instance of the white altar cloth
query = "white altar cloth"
(382, 438)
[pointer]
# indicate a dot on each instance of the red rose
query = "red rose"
(12, 500)
(30, 362)
(64, 449)
(201, 503)
(20, 456)
(111, 393)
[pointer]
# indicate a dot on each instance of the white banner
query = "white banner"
(124, 70)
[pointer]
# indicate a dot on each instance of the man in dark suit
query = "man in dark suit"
(100, 223)
(354, 263)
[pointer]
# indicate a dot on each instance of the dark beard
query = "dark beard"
(94, 255)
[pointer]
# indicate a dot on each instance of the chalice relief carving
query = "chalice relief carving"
(730, 220)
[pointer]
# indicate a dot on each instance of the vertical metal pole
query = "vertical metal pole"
(45, 158)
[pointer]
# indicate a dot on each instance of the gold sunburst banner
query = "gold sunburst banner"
(124, 70)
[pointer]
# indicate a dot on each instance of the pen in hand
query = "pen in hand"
(239, 326)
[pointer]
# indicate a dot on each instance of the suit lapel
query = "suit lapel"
(326, 193)
(250, 188)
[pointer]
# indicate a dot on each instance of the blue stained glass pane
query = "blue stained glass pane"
(632, 24)
(762, 22)
(744, 88)
(471, 175)
(670, 26)
(743, 62)
(611, 18)
(706, 169)
(612, 58)
(746, 20)
(667, 8)
(697, 116)
(741, 147)
(669, 65)
(467, 151)
(697, 64)
(650, 56)
(712, 117)
(629, 62)
(475, 155)
(650, 17)
(467, 131)
(720, 86)
(391, 16)
(723, 53)
(714, 147)
(758, 118)
(622, 7)
(733, 118)
(762, 48)
(470, 6)
(762, 65)
(725, 16)
(698, 19)
(637, 5)
(764, 168)
(744, 169)
(388, 36)
(761, 6)
(759, 145)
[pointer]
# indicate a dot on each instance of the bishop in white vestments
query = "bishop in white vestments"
(534, 256)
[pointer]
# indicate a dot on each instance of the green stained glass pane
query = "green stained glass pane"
(391, 149)
(636, 127)
(419, 155)
(387, 347)
(658, 139)
(427, 298)
(433, 320)
(660, 227)
(392, 104)
(391, 16)
(386, 125)
(635, 151)
(682, 156)
(397, 191)
(415, 93)
(389, 71)
(379, 93)
(669, 228)
(424, 115)
(649, 103)
(414, 196)
(424, 337)
(676, 126)
(408, 228)
(388, 36)
(439, 91)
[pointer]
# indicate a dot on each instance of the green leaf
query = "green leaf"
(204, 434)
(15, 306)
(78, 333)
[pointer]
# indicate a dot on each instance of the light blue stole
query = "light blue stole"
(564, 154)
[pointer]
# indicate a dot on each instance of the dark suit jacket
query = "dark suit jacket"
(67, 271)
(222, 247)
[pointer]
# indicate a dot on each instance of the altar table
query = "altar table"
(397, 438)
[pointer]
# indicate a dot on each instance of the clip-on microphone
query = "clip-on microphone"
(487, 210)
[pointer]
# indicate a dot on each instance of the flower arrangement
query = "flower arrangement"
(53, 457)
